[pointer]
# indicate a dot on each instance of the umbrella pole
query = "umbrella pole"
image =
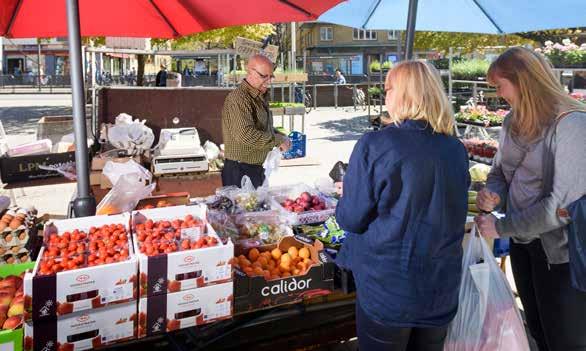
(411, 19)
(84, 204)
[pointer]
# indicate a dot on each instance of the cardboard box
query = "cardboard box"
(98, 162)
(184, 309)
(83, 331)
(254, 293)
(172, 199)
(105, 182)
(49, 296)
(26, 168)
(12, 339)
(182, 270)
(95, 177)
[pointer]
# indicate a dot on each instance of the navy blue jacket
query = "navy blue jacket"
(405, 203)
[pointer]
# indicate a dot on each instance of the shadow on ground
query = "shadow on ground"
(346, 129)
(23, 120)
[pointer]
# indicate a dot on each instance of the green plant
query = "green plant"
(470, 69)
(375, 91)
(387, 65)
(277, 104)
(375, 66)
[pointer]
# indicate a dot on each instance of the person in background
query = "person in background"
(404, 205)
(517, 184)
(161, 79)
(247, 126)
(340, 79)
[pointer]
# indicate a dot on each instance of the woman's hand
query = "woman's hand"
(487, 201)
(487, 226)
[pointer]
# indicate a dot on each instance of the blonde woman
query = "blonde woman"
(404, 203)
(533, 200)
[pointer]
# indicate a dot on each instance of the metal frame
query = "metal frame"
(84, 203)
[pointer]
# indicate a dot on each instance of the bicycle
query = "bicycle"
(306, 98)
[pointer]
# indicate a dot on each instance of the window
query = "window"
(363, 34)
(393, 35)
(326, 33)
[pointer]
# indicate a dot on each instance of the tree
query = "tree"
(574, 34)
(465, 42)
(222, 37)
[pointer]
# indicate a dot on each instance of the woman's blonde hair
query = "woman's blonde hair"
(420, 95)
(540, 96)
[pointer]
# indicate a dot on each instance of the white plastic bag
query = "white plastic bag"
(114, 170)
(130, 135)
(488, 318)
(125, 195)
(212, 150)
(271, 164)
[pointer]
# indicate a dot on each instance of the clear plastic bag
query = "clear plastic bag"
(114, 170)
(125, 195)
(488, 318)
(271, 164)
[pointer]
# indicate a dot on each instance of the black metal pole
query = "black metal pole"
(411, 19)
(84, 204)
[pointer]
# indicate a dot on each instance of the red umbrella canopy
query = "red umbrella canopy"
(150, 18)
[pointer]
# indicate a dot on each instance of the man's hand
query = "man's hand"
(285, 145)
(487, 200)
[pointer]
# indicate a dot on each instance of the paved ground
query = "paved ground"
(331, 135)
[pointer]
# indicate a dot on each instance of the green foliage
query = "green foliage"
(376, 66)
(277, 104)
(470, 69)
(464, 42)
(222, 37)
(375, 92)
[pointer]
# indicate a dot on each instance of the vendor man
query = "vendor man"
(247, 126)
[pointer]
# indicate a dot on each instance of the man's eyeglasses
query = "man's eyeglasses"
(264, 76)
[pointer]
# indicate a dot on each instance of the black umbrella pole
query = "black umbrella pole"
(410, 36)
(84, 204)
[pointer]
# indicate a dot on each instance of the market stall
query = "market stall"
(201, 269)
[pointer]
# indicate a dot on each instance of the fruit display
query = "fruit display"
(296, 269)
(220, 203)
(481, 150)
(178, 250)
(274, 264)
(251, 201)
(329, 232)
(77, 249)
(91, 263)
(17, 228)
(159, 204)
(223, 224)
(304, 202)
(11, 301)
(262, 229)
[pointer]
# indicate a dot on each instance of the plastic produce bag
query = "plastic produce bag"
(114, 170)
(212, 150)
(125, 195)
(66, 169)
(130, 135)
(488, 318)
(271, 164)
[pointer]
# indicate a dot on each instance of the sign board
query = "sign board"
(246, 48)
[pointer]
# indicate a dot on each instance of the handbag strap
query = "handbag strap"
(549, 153)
